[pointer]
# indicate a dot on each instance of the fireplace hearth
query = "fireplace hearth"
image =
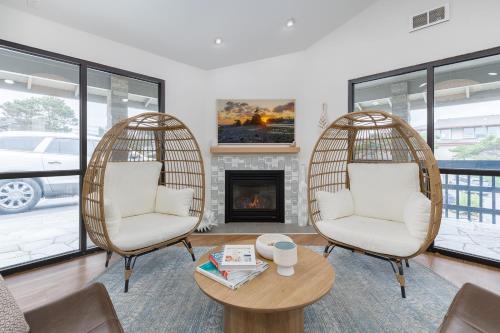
(254, 196)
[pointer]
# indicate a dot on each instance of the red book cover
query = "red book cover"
(215, 260)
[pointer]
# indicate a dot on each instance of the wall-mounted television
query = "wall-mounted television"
(255, 121)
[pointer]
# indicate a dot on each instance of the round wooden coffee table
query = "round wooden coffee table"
(271, 302)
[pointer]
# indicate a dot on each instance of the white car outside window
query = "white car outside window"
(38, 151)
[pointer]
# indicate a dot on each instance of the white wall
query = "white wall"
(186, 94)
(374, 41)
(278, 77)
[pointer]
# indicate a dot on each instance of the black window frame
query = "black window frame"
(430, 67)
(83, 66)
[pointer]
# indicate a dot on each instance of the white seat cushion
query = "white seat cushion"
(376, 235)
(141, 231)
(132, 186)
(381, 190)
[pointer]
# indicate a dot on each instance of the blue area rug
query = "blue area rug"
(164, 297)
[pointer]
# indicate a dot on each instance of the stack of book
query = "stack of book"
(233, 266)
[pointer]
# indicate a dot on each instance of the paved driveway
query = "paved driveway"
(49, 229)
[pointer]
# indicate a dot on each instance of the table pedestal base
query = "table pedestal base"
(241, 321)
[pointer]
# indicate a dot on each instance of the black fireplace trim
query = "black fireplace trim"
(256, 215)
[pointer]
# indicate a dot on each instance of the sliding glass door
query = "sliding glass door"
(455, 104)
(467, 146)
(404, 95)
(53, 111)
(39, 142)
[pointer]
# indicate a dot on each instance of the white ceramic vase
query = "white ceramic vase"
(285, 257)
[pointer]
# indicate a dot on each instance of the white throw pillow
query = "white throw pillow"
(174, 202)
(132, 186)
(112, 217)
(380, 190)
(417, 215)
(11, 317)
(335, 205)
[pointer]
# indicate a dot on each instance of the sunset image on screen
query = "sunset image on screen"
(256, 121)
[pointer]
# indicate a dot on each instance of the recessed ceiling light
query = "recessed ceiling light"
(218, 41)
(8, 81)
(492, 74)
(124, 100)
(290, 23)
(422, 85)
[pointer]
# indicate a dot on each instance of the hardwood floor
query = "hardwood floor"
(39, 286)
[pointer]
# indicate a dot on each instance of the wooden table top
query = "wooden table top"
(271, 292)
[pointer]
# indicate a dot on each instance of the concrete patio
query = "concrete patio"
(479, 239)
(48, 230)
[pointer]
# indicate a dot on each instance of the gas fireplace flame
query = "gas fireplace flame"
(255, 203)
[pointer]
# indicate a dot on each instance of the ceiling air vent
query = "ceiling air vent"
(430, 17)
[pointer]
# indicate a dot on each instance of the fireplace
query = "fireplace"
(254, 196)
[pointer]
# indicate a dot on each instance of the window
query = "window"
(92, 144)
(460, 115)
(457, 133)
(63, 146)
(403, 95)
(469, 133)
(43, 138)
(37, 100)
(21, 143)
(468, 93)
(445, 134)
(40, 218)
(493, 130)
(480, 132)
(111, 98)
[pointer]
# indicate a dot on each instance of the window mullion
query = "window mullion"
(430, 106)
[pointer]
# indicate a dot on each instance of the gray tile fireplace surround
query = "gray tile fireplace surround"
(288, 163)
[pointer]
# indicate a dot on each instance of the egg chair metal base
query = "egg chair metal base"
(328, 249)
(129, 267)
(399, 274)
(108, 258)
(188, 246)
(129, 260)
(396, 264)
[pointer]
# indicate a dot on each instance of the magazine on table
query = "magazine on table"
(216, 258)
(238, 257)
(235, 278)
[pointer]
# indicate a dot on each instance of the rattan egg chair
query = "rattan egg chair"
(373, 138)
(137, 142)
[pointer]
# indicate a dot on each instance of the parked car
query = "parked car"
(38, 151)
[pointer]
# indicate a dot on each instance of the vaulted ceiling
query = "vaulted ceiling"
(185, 30)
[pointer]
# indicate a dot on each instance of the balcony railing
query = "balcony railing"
(471, 197)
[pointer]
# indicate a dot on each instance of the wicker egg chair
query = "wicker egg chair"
(145, 138)
(373, 137)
